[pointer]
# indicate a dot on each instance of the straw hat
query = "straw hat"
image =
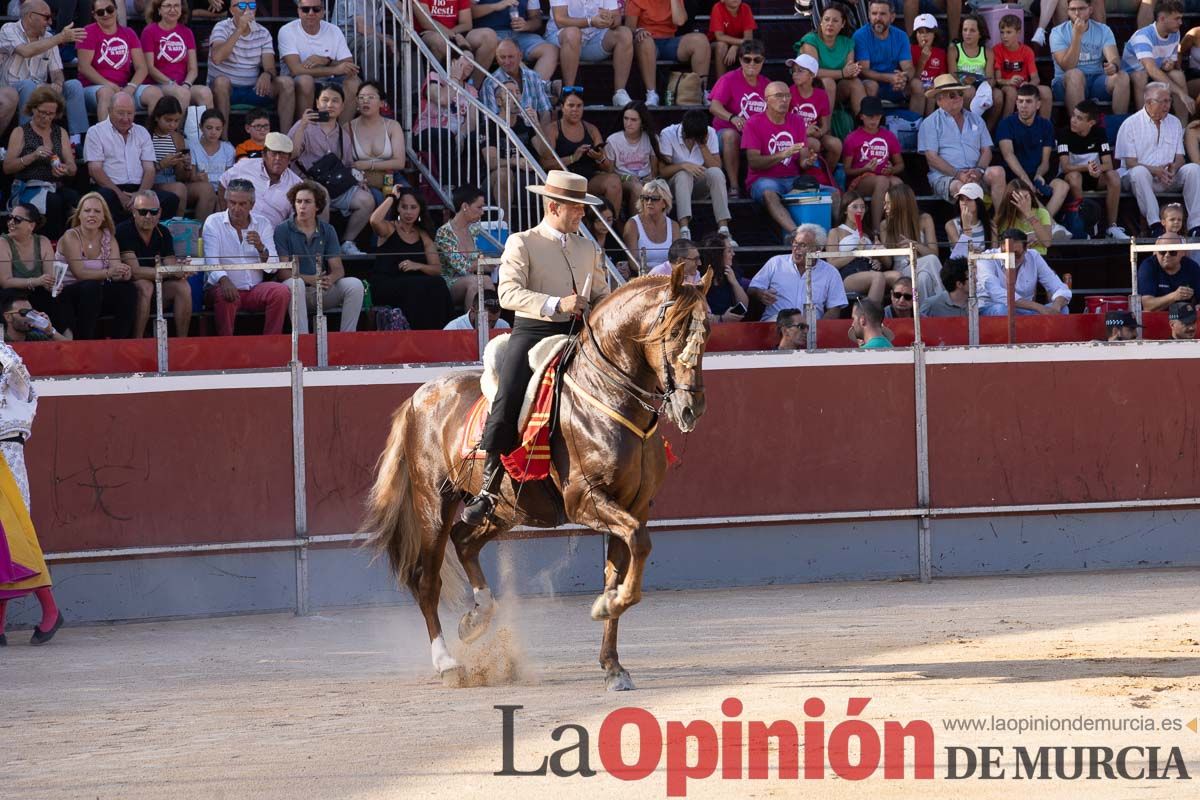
(568, 186)
(943, 83)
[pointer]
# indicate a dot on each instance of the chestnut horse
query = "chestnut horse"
(638, 355)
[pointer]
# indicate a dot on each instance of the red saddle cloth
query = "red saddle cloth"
(530, 461)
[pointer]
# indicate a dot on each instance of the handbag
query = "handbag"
(330, 171)
(389, 318)
(685, 87)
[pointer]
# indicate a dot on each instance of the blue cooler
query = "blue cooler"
(814, 205)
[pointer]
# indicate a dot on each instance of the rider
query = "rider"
(543, 276)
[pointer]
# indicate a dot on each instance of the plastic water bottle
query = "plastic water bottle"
(670, 99)
(514, 12)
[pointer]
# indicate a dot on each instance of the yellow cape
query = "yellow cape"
(23, 546)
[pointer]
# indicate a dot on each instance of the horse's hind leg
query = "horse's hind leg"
(616, 679)
(429, 591)
(468, 543)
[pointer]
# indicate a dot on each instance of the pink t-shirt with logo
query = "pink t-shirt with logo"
(112, 55)
(739, 97)
(766, 137)
(813, 107)
(861, 147)
(167, 51)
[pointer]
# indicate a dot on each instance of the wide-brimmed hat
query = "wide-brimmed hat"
(943, 83)
(568, 186)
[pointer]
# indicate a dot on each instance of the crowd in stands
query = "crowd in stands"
(111, 132)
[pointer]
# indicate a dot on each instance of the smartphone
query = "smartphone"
(184, 152)
(322, 116)
(738, 308)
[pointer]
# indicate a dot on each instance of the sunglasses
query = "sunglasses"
(104, 12)
(14, 218)
(146, 212)
(902, 296)
(311, 9)
(46, 17)
(1169, 253)
(572, 90)
(752, 59)
(247, 6)
(650, 198)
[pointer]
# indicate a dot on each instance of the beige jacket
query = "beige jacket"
(534, 268)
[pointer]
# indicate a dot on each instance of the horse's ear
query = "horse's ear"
(706, 283)
(676, 278)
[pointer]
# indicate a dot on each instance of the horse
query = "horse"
(637, 356)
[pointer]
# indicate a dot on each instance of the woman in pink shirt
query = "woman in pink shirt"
(111, 61)
(872, 158)
(735, 98)
(170, 51)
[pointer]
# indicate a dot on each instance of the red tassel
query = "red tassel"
(672, 459)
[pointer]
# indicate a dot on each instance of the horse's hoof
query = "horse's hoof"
(619, 682)
(601, 609)
(454, 678)
(474, 623)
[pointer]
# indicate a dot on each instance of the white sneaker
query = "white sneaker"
(724, 231)
(1039, 36)
(685, 232)
(351, 249)
(621, 98)
(1117, 232)
(652, 98)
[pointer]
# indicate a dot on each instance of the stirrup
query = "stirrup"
(478, 509)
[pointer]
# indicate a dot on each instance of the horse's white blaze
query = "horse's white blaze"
(442, 660)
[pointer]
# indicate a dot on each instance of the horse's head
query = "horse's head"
(674, 347)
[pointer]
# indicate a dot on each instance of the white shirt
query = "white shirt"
(120, 156)
(581, 9)
(295, 41)
(18, 68)
(992, 285)
(1152, 145)
(18, 400)
(670, 142)
(270, 199)
(223, 245)
(463, 323)
(781, 276)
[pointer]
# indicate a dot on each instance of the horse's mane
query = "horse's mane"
(676, 321)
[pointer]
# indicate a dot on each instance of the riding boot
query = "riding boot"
(480, 507)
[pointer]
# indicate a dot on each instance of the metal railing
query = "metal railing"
(810, 258)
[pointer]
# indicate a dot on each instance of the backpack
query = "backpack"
(388, 318)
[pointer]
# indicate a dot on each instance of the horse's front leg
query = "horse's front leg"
(616, 679)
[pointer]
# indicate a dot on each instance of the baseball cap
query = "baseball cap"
(491, 300)
(278, 142)
(1119, 319)
(804, 61)
(924, 21)
(1183, 312)
(871, 106)
(972, 191)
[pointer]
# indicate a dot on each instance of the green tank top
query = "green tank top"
(976, 65)
(19, 270)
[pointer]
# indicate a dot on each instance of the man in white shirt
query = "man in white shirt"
(781, 283)
(591, 31)
(313, 50)
(491, 304)
(689, 159)
(270, 177)
(30, 57)
(1150, 149)
(238, 236)
(120, 159)
(1032, 269)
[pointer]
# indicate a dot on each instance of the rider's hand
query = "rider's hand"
(573, 305)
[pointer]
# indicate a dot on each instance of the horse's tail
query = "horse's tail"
(391, 521)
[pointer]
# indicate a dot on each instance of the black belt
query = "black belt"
(18, 438)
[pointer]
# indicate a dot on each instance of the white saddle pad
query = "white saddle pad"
(539, 356)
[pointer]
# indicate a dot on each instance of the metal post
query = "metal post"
(322, 324)
(160, 324)
(912, 259)
(1135, 302)
(924, 551)
(810, 308)
(1010, 271)
(299, 490)
(297, 287)
(481, 319)
(972, 300)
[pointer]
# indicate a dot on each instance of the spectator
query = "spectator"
(957, 144)
(688, 150)
(1026, 144)
(120, 159)
(173, 161)
(239, 236)
(1172, 218)
(378, 141)
(1167, 276)
(1182, 319)
(1121, 326)
(257, 125)
(444, 123)
(736, 98)
(27, 260)
(111, 62)
(649, 233)
(970, 60)
(314, 51)
(633, 150)
(241, 65)
(591, 31)
(655, 24)
(953, 9)
(1152, 54)
(361, 22)
(1085, 159)
(782, 282)
(30, 56)
(903, 224)
(971, 230)
(866, 325)
(1058, 8)
(776, 145)
(310, 240)
(928, 59)
(577, 145)
(312, 138)
(169, 48)
(407, 273)
(23, 324)
(682, 253)
(872, 158)
(211, 154)
(1086, 61)
(457, 250)
(861, 274)
(467, 322)
(730, 23)
(96, 282)
(952, 302)
(885, 57)
(1031, 269)
(32, 148)
(510, 24)
(509, 171)
(438, 20)
(834, 50)
(812, 104)
(1021, 209)
(901, 306)
(1150, 148)
(726, 292)
(270, 178)
(792, 330)
(1189, 57)
(1015, 67)
(144, 243)
(535, 91)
